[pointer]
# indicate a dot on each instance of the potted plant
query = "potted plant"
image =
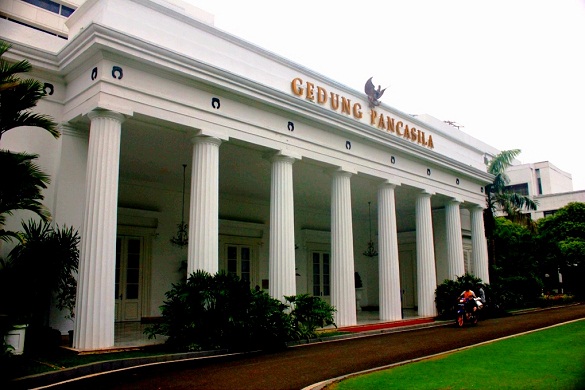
(40, 267)
(13, 322)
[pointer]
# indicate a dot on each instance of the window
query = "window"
(321, 274)
(52, 6)
(239, 260)
(549, 213)
(538, 182)
(521, 189)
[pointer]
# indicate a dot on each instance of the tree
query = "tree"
(20, 188)
(21, 181)
(18, 96)
(518, 274)
(501, 199)
(562, 237)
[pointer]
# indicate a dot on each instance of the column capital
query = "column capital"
(455, 200)
(425, 194)
(388, 184)
(283, 155)
(100, 113)
(206, 139)
(340, 172)
(476, 207)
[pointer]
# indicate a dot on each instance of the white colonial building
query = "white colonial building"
(286, 170)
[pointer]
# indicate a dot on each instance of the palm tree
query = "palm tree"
(21, 188)
(21, 180)
(18, 96)
(500, 199)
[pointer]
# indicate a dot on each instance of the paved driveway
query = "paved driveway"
(301, 366)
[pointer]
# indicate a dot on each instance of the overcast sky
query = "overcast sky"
(511, 72)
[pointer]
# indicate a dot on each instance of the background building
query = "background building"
(551, 187)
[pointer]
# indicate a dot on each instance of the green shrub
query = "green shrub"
(515, 292)
(221, 312)
(267, 325)
(309, 313)
(447, 292)
(203, 312)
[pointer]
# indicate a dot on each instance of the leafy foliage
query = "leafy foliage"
(307, 314)
(18, 96)
(519, 256)
(517, 273)
(447, 292)
(516, 276)
(501, 200)
(220, 311)
(21, 180)
(562, 238)
(20, 188)
(43, 264)
(499, 197)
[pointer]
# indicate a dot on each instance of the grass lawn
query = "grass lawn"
(549, 359)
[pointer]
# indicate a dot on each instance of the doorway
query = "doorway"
(129, 267)
(321, 274)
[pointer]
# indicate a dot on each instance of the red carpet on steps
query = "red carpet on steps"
(385, 325)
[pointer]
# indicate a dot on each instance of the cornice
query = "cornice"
(96, 38)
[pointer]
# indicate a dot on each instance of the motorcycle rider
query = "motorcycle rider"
(468, 295)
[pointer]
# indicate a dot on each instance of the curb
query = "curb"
(51, 378)
(54, 378)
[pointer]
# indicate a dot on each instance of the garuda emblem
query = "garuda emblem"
(373, 94)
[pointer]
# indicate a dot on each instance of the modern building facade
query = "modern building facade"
(289, 174)
(551, 187)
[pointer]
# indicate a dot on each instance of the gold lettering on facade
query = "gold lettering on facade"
(406, 132)
(383, 122)
(334, 101)
(345, 105)
(310, 91)
(373, 117)
(296, 86)
(390, 122)
(399, 125)
(321, 95)
(357, 111)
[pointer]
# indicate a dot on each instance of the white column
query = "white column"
(203, 249)
(425, 257)
(389, 270)
(455, 260)
(95, 305)
(342, 266)
(479, 253)
(281, 259)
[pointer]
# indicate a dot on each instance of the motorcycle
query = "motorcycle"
(468, 311)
